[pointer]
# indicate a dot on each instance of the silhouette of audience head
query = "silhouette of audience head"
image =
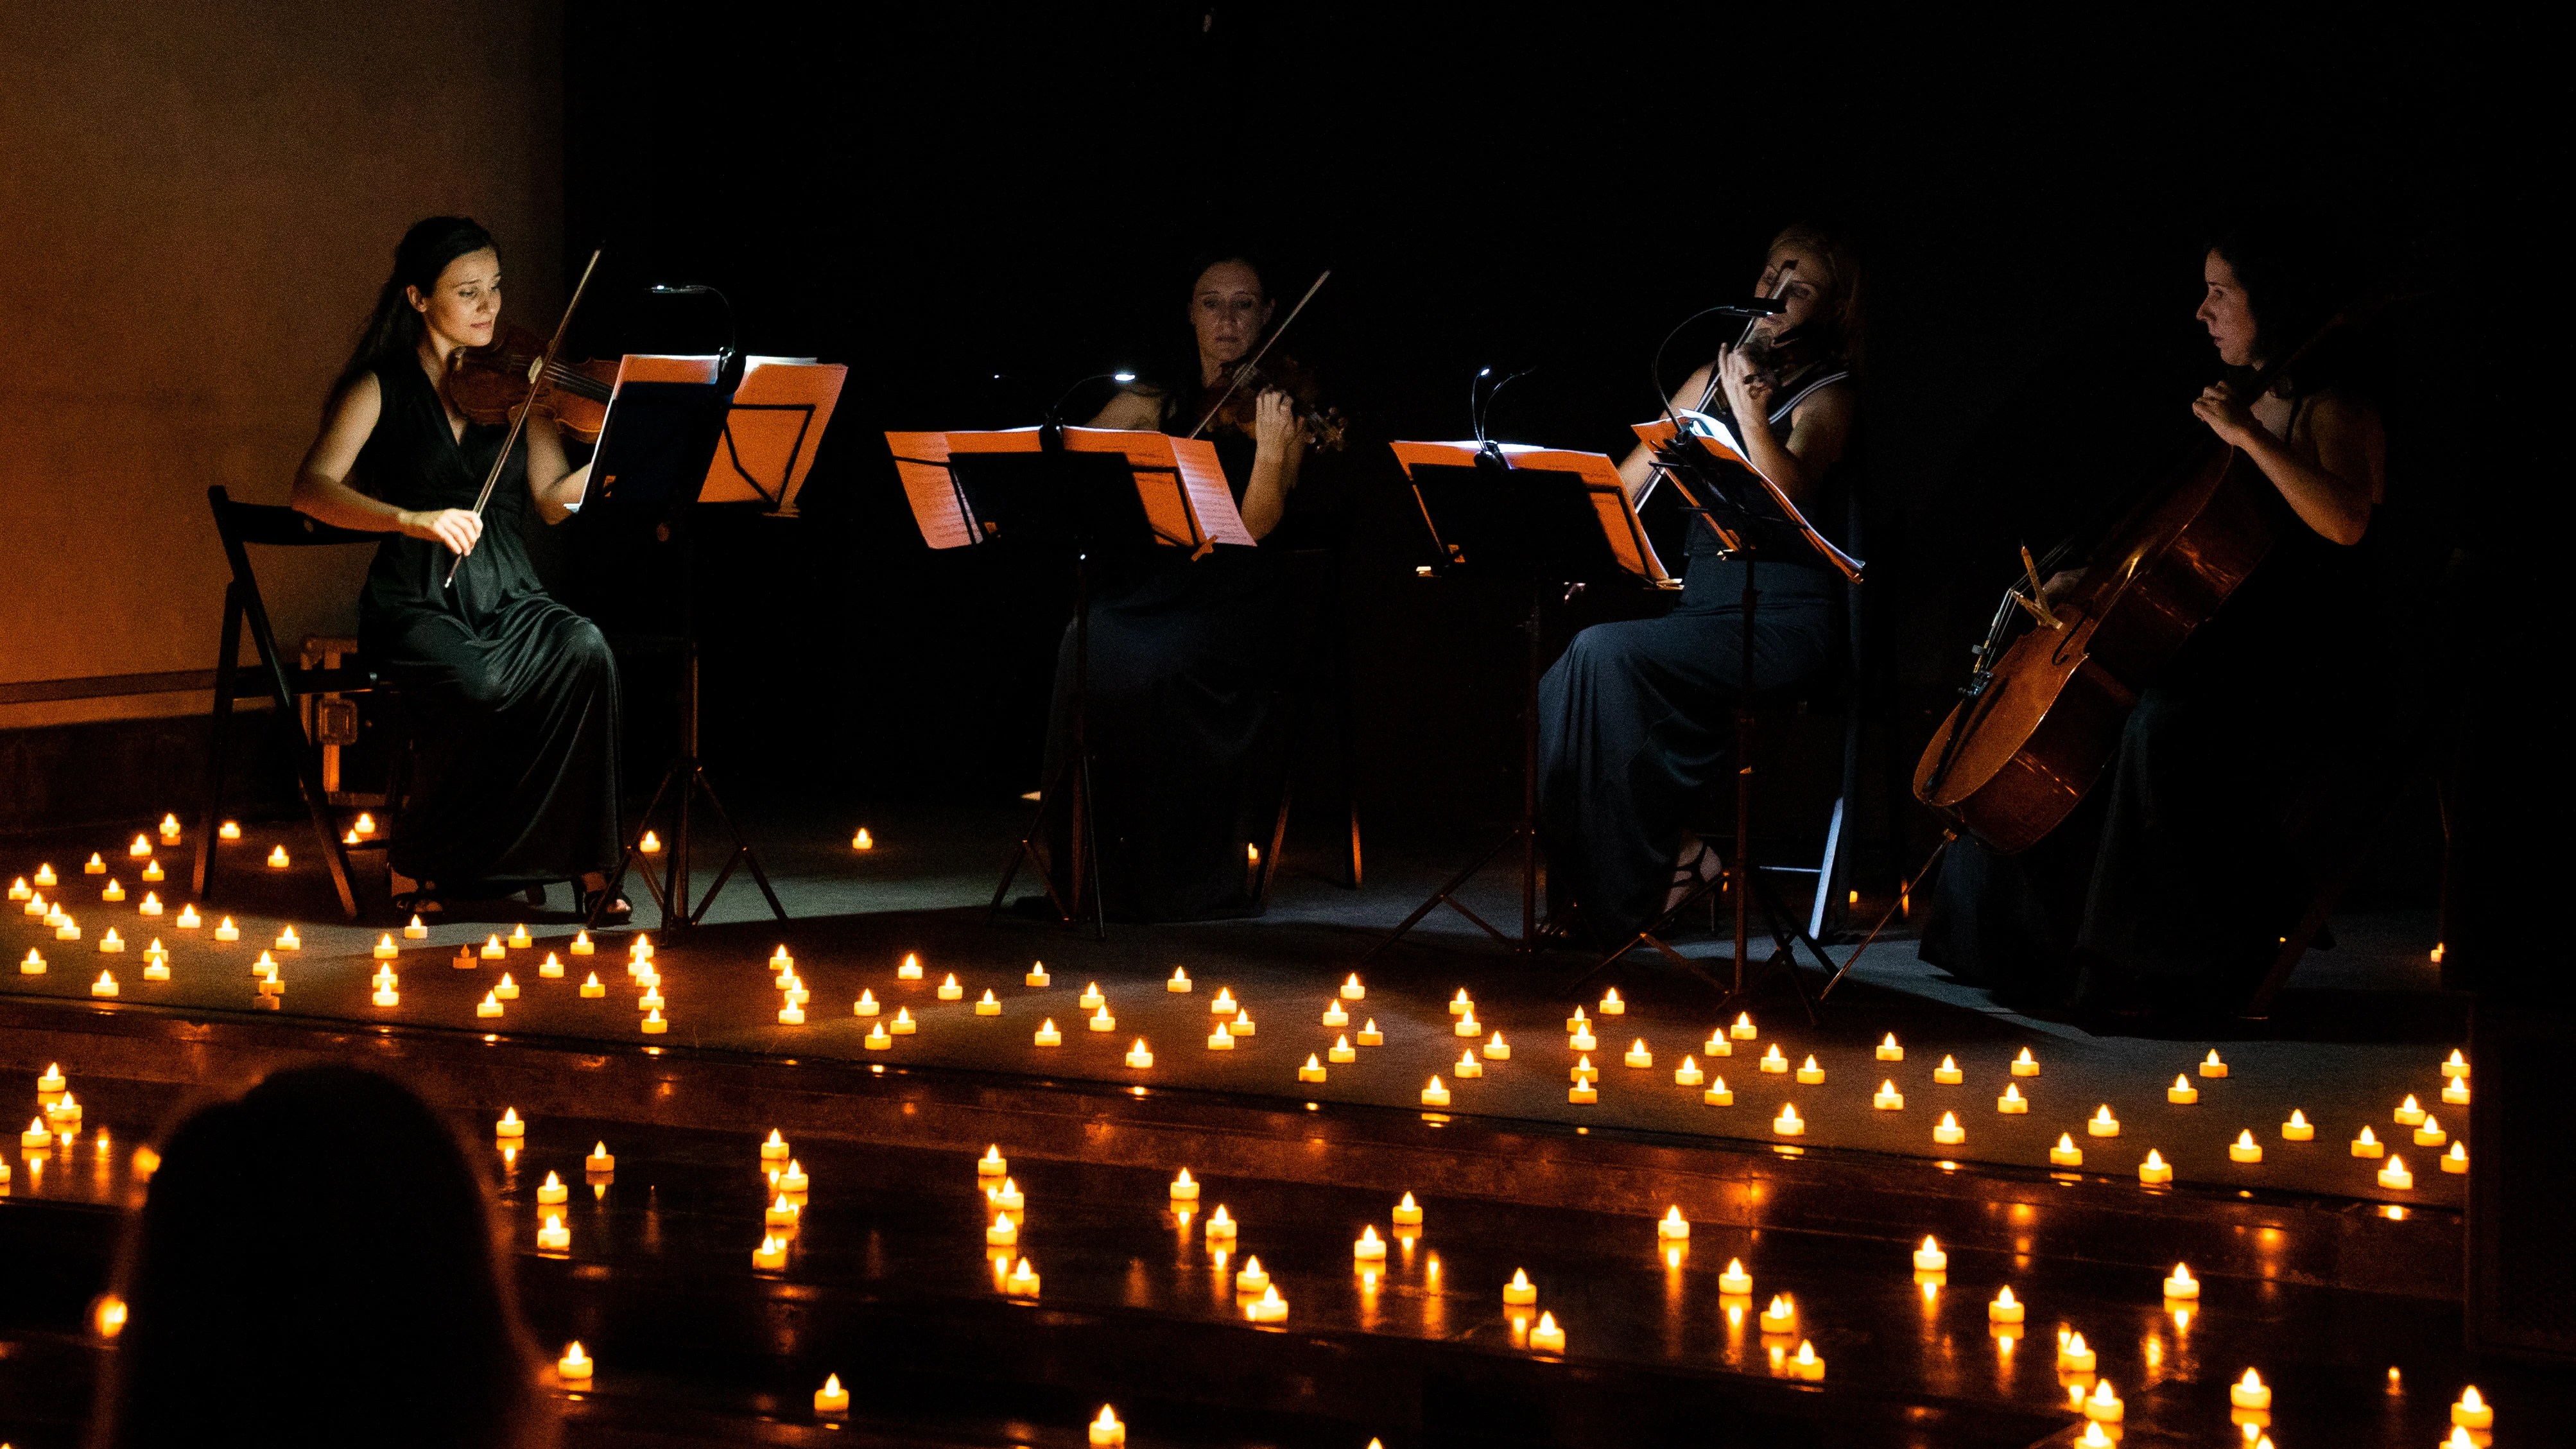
(316, 1264)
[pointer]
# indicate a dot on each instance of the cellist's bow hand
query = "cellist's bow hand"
(457, 528)
(2226, 414)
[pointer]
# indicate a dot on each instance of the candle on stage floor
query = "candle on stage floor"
(114, 892)
(1948, 1074)
(2103, 1407)
(2457, 1067)
(2075, 1356)
(2298, 1128)
(34, 965)
(277, 858)
(2408, 1113)
(2367, 1145)
(903, 1024)
(1220, 1040)
(794, 1181)
(1313, 1071)
(1734, 1282)
(2455, 1093)
(1180, 980)
(1947, 1132)
(553, 1236)
(1889, 1051)
(489, 1007)
(1047, 1035)
(510, 1125)
(1930, 1259)
(2213, 1067)
(1545, 1336)
(1520, 1292)
(988, 1004)
(771, 1255)
(507, 990)
(1183, 1189)
(1091, 999)
(1022, 1283)
(1688, 1074)
(2250, 1392)
(1674, 1227)
(1242, 1025)
(2155, 1171)
(1334, 1016)
(1408, 1213)
(1496, 1049)
(2472, 1411)
(1270, 1309)
(1101, 1020)
(1781, 1316)
(105, 985)
(169, 829)
(1370, 1247)
(1253, 1278)
(493, 950)
(654, 1024)
(1369, 1035)
(593, 988)
(2182, 1093)
(1138, 1056)
(949, 990)
(1787, 1123)
(552, 1191)
(1220, 1226)
(2182, 1285)
(1435, 1095)
(575, 1366)
(1352, 990)
(2103, 1124)
(1611, 1005)
(2395, 1175)
(1810, 1074)
(832, 1398)
(1037, 975)
(2012, 1103)
(910, 970)
(2431, 1133)
(1106, 1430)
(2245, 1148)
(1638, 1056)
(2455, 1160)
(1887, 1098)
(1772, 1061)
(2005, 1308)
(1467, 1026)
(45, 876)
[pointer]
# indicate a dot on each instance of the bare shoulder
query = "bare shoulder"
(358, 405)
(2335, 413)
(1133, 409)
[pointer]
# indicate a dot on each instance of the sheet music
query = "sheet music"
(662, 367)
(773, 430)
(938, 505)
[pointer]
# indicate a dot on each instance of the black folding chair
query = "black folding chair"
(283, 681)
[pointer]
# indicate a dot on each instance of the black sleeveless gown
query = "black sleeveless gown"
(2172, 884)
(1637, 717)
(1183, 668)
(513, 696)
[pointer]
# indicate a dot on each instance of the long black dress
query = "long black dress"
(1637, 717)
(2173, 883)
(513, 697)
(1183, 666)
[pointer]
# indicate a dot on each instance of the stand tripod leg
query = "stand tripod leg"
(1902, 893)
(1027, 850)
(1443, 895)
(626, 862)
(741, 854)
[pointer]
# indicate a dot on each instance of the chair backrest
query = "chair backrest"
(242, 524)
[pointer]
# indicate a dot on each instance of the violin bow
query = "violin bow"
(539, 372)
(1247, 369)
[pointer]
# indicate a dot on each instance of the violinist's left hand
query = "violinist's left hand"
(1746, 393)
(2226, 415)
(1274, 421)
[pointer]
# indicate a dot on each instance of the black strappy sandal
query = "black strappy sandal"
(619, 911)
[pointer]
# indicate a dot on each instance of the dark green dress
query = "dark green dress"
(512, 696)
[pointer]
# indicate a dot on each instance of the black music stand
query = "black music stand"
(654, 452)
(1551, 523)
(1724, 491)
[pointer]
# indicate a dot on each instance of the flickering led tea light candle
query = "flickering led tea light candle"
(2245, 1148)
(1688, 1074)
(1370, 1248)
(651, 1000)
(419, 931)
(114, 892)
(1369, 1035)
(2455, 1160)
(1583, 1070)
(1772, 1061)
(1022, 1283)
(2075, 1356)
(2012, 1103)
(1047, 1035)
(111, 942)
(988, 1004)
(2250, 1392)
(385, 994)
(1435, 1095)
(1583, 1094)
(1106, 1430)
(791, 1015)
(95, 865)
(2181, 1286)
(1341, 1051)
(1101, 1020)
(2298, 1128)
(2471, 1411)
(38, 906)
(949, 990)
(277, 858)
(153, 873)
(2455, 1094)
(654, 1024)
(2155, 1171)
(793, 1181)
(771, 1255)
(1781, 1316)
(866, 1005)
(553, 1236)
(1887, 1098)
(37, 1138)
(266, 965)
(1334, 1016)
(1467, 1065)
(1673, 1228)
(520, 939)
(1253, 1278)
(1220, 1226)
(52, 1080)
(910, 970)
(34, 965)
(510, 1125)
(1947, 1132)
(2395, 1176)
(1313, 1071)
(1183, 1188)
(651, 844)
(1467, 1026)
(493, 950)
(105, 985)
(2455, 1067)
(1242, 1025)
(1611, 1005)
(68, 930)
(1138, 1057)
(2005, 1308)
(45, 877)
(1037, 975)
(1810, 1074)
(2182, 1093)
(1718, 1045)
(2367, 1145)
(2104, 1407)
(1787, 1123)
(575, 1366)
(490, 1006)
(2409, 1114)
(1638, 1056)
(19, 890)
(1582, 1041)
(2102, 1123)
(903, 1024)
(507, 990)
(2431, 1133)
(1220, 1040)
(591, 988)
(1270, 1308)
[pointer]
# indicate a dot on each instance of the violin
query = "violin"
(488, 384)
(1239, 407)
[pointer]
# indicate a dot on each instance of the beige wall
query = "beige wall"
(197, 202)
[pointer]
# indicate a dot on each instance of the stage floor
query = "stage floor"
(2360, 1030)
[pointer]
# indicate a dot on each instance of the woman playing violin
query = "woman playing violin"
(1636, 718)
(1183, 651)
(2171, 888)
(514, 696)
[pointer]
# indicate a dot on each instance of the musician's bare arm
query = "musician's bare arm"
(1132, 410)
(322, 490)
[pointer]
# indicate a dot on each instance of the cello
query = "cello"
(2041, 717)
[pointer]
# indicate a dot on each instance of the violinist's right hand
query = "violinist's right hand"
(457, 528)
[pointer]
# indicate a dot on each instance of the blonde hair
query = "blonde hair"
(1841, 315)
